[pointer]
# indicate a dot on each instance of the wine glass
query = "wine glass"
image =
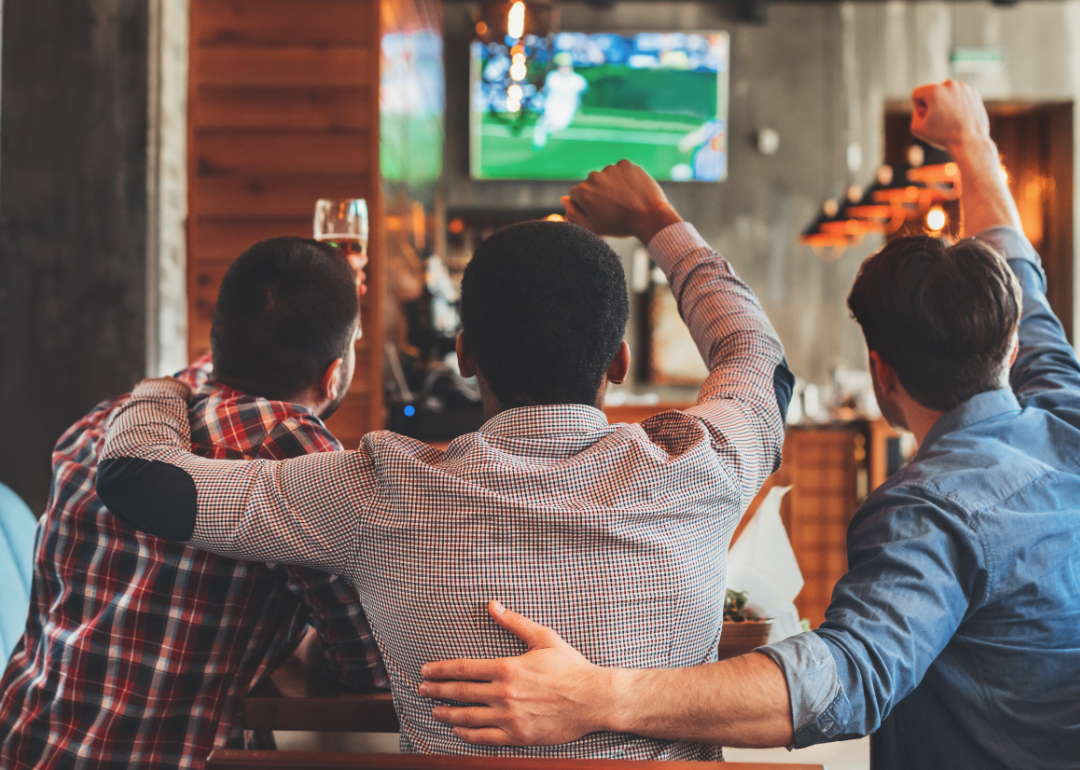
(343, 223)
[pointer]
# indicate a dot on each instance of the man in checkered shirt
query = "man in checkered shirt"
(615, 535)
(138, 651)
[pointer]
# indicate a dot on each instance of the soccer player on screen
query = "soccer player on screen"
(562, 96)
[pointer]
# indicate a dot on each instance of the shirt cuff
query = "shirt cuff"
(162, 388)
(819, 709)
(1014, 245)
(673, 242)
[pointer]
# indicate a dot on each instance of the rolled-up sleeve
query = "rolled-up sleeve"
(916, 569)
(818, 706)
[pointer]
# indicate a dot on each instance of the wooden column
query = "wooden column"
(284, 110)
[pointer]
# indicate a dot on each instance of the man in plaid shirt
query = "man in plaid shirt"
(138, 651)
(616, 535)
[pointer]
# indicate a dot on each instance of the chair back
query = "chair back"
(17, 526)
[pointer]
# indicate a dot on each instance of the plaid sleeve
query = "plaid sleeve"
(299, 511)
(349, 648)
(744, 398)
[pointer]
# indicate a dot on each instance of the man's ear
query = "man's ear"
(885, 374)
(466, 362)
(330, 383)
(1015, 349)
(620, 364)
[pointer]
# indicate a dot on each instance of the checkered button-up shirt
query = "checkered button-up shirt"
(614, 535)
(138, 651)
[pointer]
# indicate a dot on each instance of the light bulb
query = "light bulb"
(936, 219)
(517, 69)
(515, 20)
(513, 98)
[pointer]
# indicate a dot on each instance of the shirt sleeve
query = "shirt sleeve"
(916, 569)
(1046, 372)
(300, 511)
(336, 614)
(744, 399)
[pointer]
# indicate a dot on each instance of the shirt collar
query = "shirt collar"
(212, 389)
(982, 406)
(547, 420)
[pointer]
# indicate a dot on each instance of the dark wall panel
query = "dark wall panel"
(73, 126)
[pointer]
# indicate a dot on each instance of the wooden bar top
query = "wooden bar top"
(233, 759)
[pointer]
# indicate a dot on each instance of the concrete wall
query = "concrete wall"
(73, 221)
(821, 75)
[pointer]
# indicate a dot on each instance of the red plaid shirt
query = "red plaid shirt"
(138, 651)
(614, 535)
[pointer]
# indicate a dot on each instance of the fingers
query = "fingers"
(464, 716)
(487, 736)
(574, 214)
(462, 670)
(462, 692)
(533, 634)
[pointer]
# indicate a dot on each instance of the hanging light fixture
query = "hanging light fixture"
(935, 221)
(828, 234)
(513, 33)
(495, 22)
(871, 208)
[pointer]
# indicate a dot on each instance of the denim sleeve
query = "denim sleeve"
(1046, 372)
(916, 567)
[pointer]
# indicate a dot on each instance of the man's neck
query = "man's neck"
(920, 420)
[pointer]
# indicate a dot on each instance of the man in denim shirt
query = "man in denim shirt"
(955, 635)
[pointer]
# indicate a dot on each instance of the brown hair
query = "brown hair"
(941, 316)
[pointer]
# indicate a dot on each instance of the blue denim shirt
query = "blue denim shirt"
(955, 633)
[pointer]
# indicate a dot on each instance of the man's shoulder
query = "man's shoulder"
(964, 474)
(227, 423)
(79, 443)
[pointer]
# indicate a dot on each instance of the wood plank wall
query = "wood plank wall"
(283, 110)
(823, 466)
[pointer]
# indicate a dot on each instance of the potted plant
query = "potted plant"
(744, 629)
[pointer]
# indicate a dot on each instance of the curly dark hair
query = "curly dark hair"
(942, 316)
(543, 310)
(286, 309)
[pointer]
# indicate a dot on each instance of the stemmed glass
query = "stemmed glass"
(343, 223)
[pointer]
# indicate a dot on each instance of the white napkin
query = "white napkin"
(762, 563)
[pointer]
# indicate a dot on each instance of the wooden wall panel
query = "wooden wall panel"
(822, 465)
(325, 23)
(283, 111)
(289, 66)
(325, 108)
(285, 152)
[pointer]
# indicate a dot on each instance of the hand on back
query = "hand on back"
(620, 201)
(949, 114)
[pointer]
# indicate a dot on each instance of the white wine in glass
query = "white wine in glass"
(343, 223)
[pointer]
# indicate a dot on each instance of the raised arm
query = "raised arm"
(745, 397)
(298, 512)
(951, 115)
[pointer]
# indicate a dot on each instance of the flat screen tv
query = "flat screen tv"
(590, 99)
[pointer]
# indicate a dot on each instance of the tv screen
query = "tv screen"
(583, 100)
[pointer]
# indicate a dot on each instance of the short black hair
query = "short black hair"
(543, 310)
(942, 316)
(286, 309)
